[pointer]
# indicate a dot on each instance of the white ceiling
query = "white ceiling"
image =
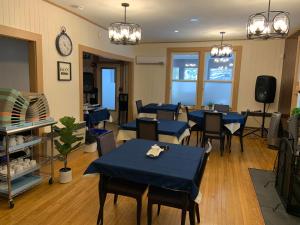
(159, 18)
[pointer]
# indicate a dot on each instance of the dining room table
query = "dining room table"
(175, 168)
(170, 131)
(150, 110)
(232, 120)
(95, 116)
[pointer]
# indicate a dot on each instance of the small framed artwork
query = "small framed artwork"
(64, 71)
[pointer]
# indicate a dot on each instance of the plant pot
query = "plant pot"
(91, 147)
(65, 175)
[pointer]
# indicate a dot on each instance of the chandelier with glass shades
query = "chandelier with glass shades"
(125, 33)
(270, 24)
(222, 50)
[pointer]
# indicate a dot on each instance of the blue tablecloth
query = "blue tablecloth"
(152, 108)
(176, 168)
(230, 117)
(95, 117)
(167, 127)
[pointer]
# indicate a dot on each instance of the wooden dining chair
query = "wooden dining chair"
(139, 106)
(177, 199)
(221, 108)
(147, 129)
(109, 185)
(240, 132)
(165, 115)
(195, 128)
(213, 128)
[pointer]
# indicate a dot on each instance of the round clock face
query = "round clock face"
(64, 44)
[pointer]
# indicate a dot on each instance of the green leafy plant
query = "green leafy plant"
(210, 104)
(296, 112)
(67, 139)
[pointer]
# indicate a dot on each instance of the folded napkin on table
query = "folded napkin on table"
(154, 151)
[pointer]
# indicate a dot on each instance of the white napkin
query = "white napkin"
(198, 198)
(233, 127)
(154, 151)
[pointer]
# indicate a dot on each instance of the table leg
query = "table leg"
(102, 198)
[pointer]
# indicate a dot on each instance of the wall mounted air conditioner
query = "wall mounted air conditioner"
(149, 60)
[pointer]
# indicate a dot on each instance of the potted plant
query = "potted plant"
(296, 112)
(66, 143)
(210, 105)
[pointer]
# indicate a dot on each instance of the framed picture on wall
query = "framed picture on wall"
(64, 72)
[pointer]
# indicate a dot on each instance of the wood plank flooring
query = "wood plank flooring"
(228, 194)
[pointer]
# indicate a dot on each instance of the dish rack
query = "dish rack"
(14, 183)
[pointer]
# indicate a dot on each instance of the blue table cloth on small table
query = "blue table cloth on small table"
(167, 127)
(152, 108)
(175, 168)
(229, 117)
(96, 116)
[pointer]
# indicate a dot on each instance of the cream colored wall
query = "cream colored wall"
(258, 57)
(43, 18)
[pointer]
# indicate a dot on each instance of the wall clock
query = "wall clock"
(63, 43)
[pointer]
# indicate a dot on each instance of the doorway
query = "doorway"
(103, 76)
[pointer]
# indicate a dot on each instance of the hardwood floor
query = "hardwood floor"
(228, 194)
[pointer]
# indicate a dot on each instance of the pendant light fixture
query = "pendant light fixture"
(124, 33)
(269, 24)
(222, 50)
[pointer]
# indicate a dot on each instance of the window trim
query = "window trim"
(200, 77)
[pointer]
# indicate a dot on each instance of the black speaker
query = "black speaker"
(265, 89)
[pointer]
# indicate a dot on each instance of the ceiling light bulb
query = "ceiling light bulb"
(176, 31)
(258, 24)
(214, 51)
(281, 23)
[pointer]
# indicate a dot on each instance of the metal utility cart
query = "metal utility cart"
(13, 184)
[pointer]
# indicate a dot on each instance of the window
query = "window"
(218, 80)
(196, 79)
(184, 78)
(108, 88)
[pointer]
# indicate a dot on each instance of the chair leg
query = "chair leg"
(201, 136)
(188, 138)
(183, 215)
(115, 199)
(197, 213)
(192, 213)
(222, 146)
(197, 138)
(149, 213)
(138, 210)
(230, 138)
(101, 209)
(102, 198)
(158, 209)
(203, 142)
(241, 142)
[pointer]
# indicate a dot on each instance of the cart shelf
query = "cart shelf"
(20, 147)
(21, 184)
(18, 175)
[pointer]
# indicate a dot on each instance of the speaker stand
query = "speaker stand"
(262, 129)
